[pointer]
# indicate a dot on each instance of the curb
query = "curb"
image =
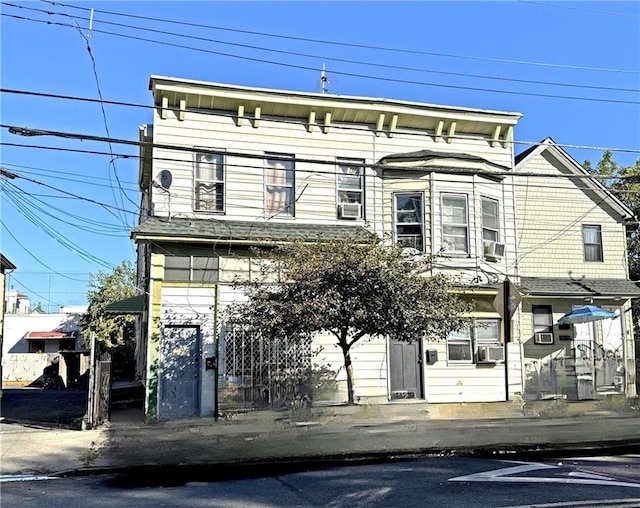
(177, 474)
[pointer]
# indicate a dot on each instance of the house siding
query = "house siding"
(551, 213)
(214, 122)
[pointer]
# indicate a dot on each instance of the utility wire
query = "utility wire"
(112, 162)
(606, 13)
(37, 258)
(275, 120)
(342, 45)
(348, 61)
(341, 73)
(77, 196)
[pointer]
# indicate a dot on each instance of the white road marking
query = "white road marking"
(502, 475)
(24, 478)
(600, 503)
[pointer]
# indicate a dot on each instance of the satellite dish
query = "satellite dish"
(163, 180)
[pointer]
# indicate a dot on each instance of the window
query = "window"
(36, 346)
(350, 187)
(542, 324)
(592, 240)
(455, 224)
(191, 268)
(279, 185)
(409, 217)
(209, 182)
(475, 343)
(490, 220)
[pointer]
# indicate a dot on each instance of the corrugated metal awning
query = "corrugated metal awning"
(133, 305)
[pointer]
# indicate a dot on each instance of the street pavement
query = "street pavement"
(239, 444)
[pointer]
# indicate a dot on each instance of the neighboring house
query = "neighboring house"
(572, 251)
(5, 267)
(225, 168)
(17, 302)
(33, 341)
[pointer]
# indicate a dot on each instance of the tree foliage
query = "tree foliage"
(352, 291)
(106, 288)
(624, 183)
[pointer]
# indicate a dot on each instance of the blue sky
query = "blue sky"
(69, 213)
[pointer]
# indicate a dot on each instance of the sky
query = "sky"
(571, 68)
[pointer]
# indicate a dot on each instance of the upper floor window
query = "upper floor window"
(190, 268)
(409, 219)
(592, 240)
(350, 188)
(490, 220)
(455, 223)
(209, 182)
(279, 184)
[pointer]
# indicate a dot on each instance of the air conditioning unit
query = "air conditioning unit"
(493, 251)
(490, 354)
(543, 338)
(349, 210)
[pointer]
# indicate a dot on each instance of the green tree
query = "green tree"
(115, 334)
(624, 183)
(352, 291)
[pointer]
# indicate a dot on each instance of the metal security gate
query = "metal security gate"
(260, 372)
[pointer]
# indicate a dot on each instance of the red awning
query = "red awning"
(48, 335)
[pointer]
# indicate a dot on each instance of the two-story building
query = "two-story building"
(572, 252)
(226, 168)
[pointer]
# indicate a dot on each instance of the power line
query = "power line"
(346, 44)
(341, 73)
(191, 149)
(348, 61)
(606, 13)
(275, 120)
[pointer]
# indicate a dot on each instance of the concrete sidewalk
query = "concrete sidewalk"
(320, 435)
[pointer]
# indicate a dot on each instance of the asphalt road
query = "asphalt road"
(55, 408)
(431, 482)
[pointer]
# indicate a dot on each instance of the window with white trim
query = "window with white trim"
(191, 268)
(409, 220)
(542, 324)
(490, 219)
(592, 241)
(209, 182)
(350, 187)
(472, 343)
(455, 223)
(279, 184)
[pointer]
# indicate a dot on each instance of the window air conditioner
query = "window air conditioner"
(349, 210)
(543, 338)
(493, 251)
(490, 354)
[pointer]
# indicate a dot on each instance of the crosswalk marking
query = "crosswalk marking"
(504, 475)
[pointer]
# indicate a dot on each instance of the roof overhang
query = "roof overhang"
(586, 179)
(579, 288)
(444, 162)
(133, 305)
(379, 114)
(5, 264)
(186, 230)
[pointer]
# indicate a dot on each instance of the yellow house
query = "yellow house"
(225, 167)
(572, 252)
